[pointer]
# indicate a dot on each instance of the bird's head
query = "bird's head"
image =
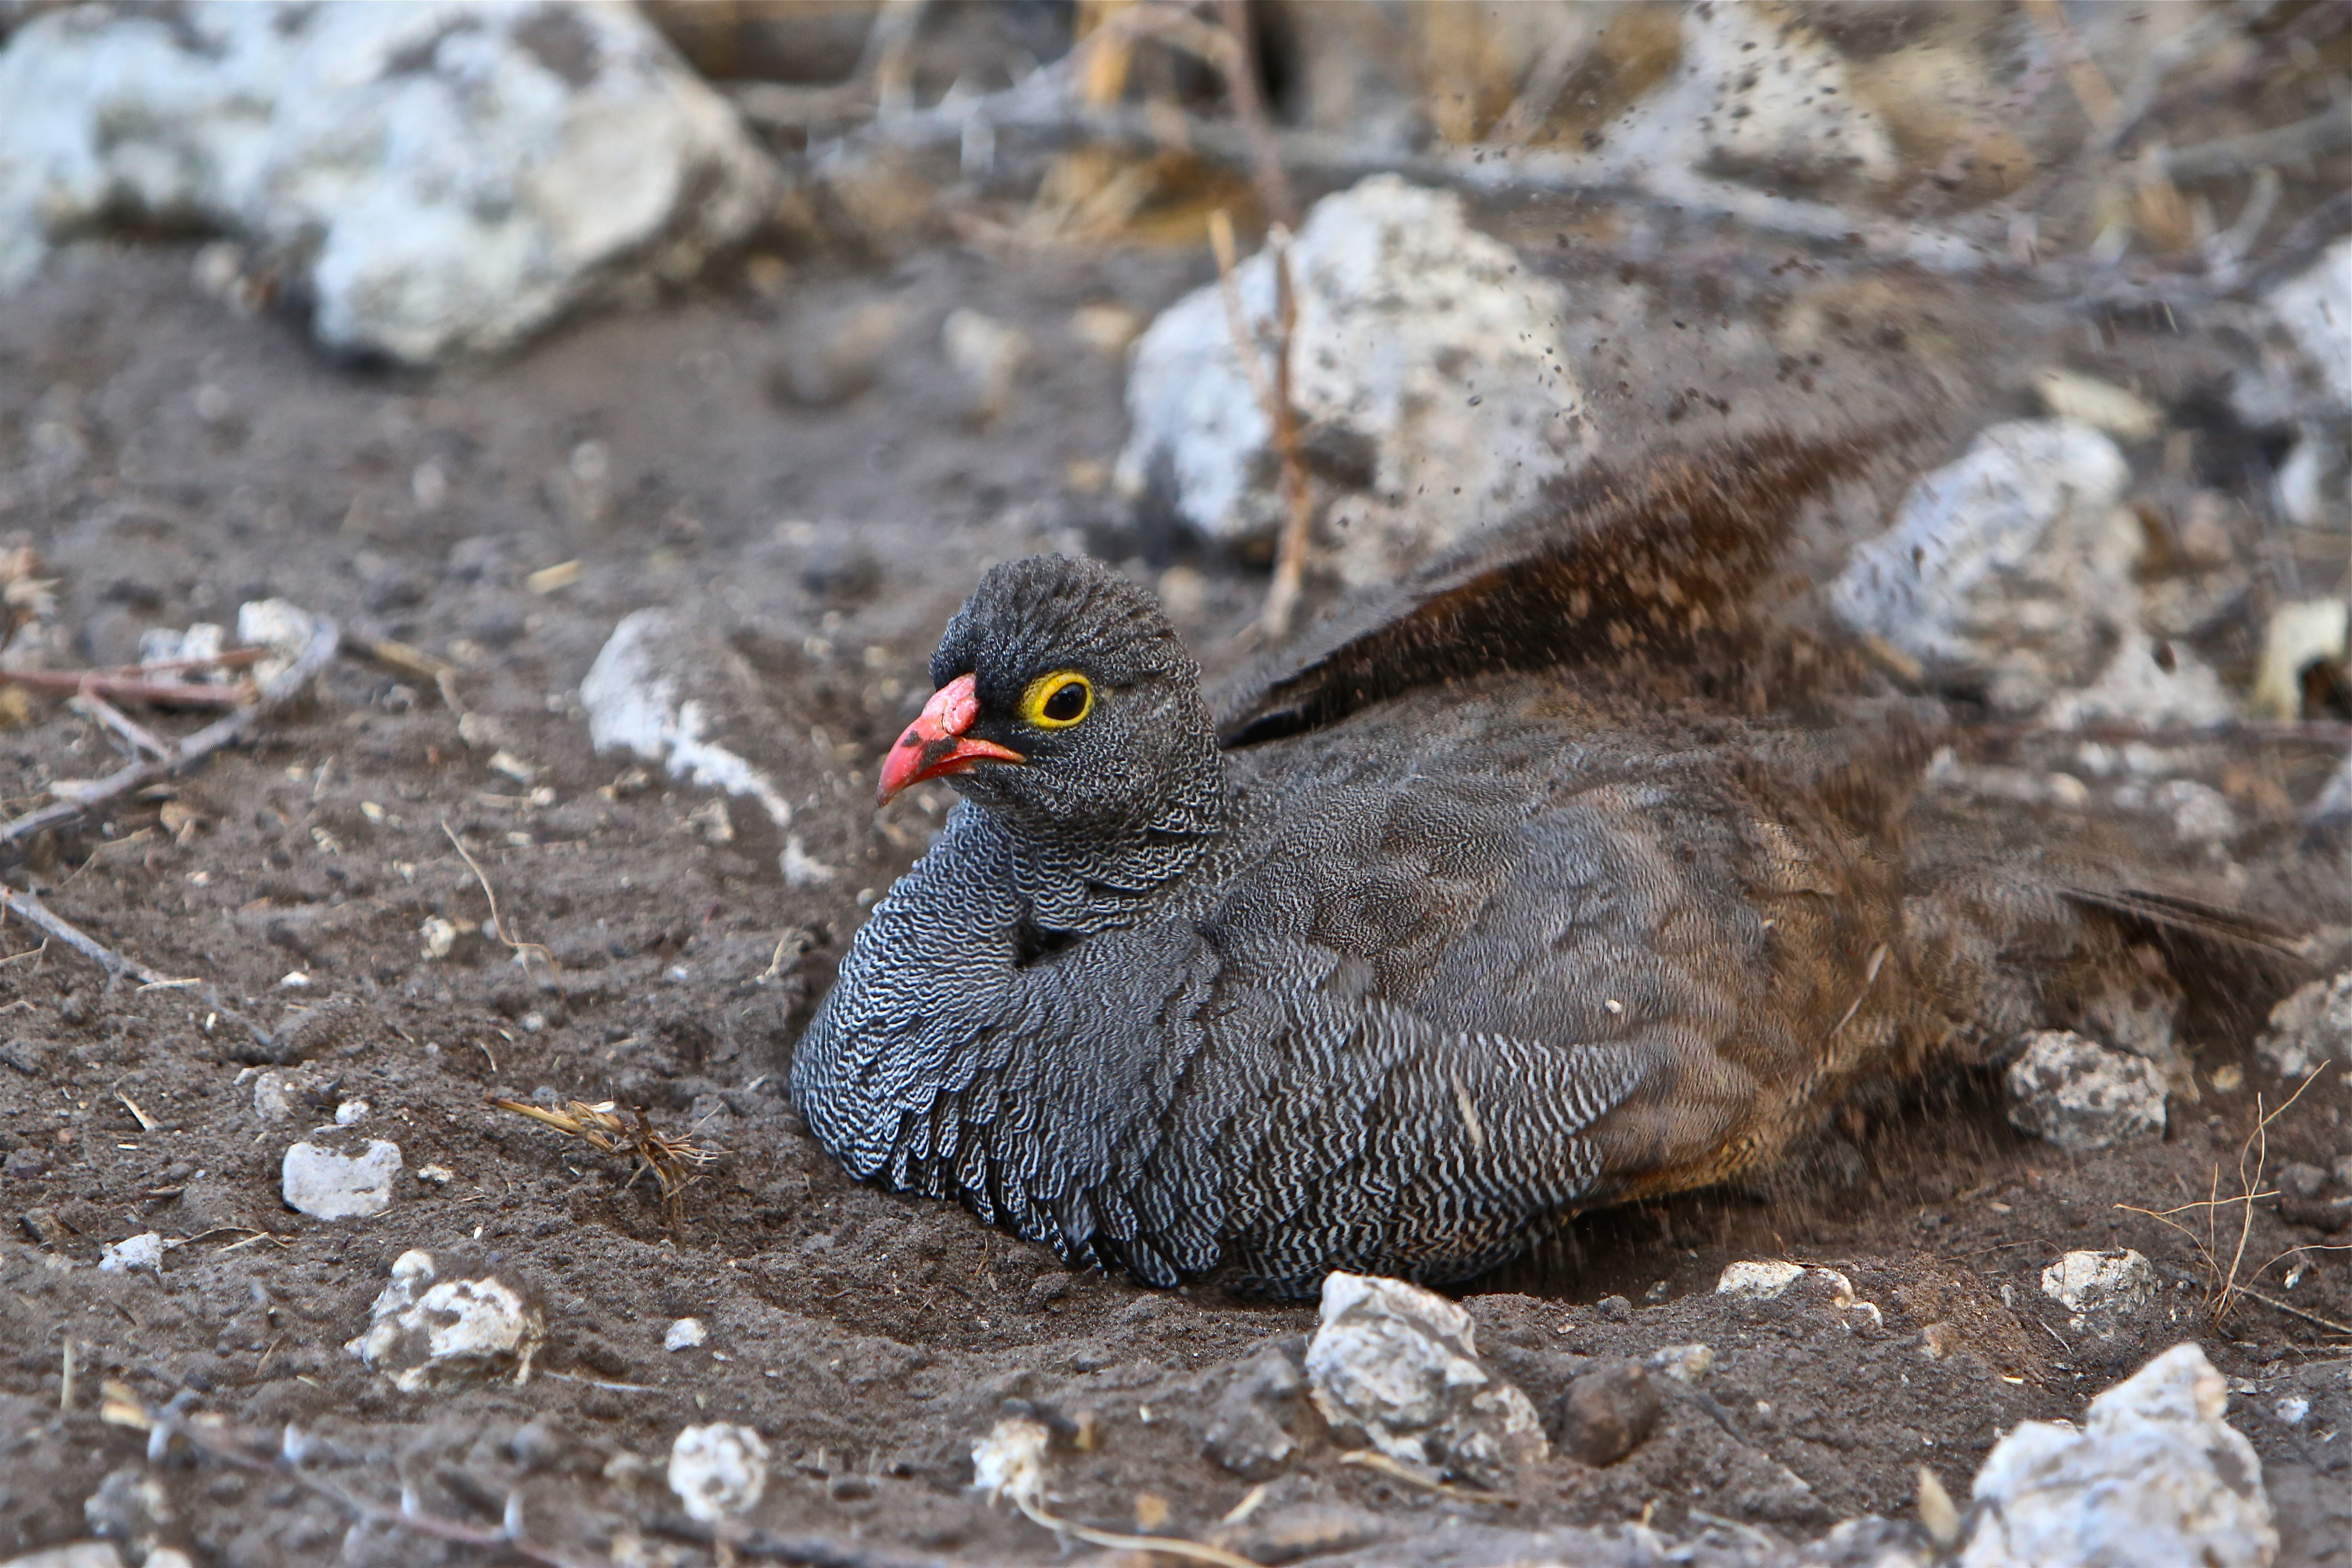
(1065, 700)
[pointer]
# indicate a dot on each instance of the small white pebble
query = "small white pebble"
(677, 974)
(684, 1334)
(439, 1175)
(295, 980)
(533, 1023)
(352, 1110)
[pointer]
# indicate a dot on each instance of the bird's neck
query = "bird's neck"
(1075, 879)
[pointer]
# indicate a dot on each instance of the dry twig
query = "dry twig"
(275, 694)
(497, 921)
(1271, 385)
(214, 1439)
(2222, 1286)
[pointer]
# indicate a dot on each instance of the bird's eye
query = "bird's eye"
(1058, 700)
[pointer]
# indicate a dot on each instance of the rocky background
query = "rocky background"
(547, 440)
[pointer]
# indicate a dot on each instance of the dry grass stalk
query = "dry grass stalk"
(671, 1162)
(1271, 385)
(497, 921)
(2223, 1286)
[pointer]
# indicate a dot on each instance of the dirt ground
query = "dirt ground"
(169, 459)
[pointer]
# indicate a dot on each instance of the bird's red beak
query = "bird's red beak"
(936, 744)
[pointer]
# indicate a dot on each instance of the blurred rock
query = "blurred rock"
(1250, 1432)
(143, 1251)
(1400, 1365)
(1606, 1412)
(325, 1185)
(2103, 406)
(2309, 1195)
(2010, 570)
(1757, 94)
(2155, 1478)
(2083, 1097)
(2315, 309)
(717, 1470)
(442, 178)
(2312, 1026)
(1420, 346)
(987, 353)
(664, 687)
(2301, 633)
(2106, 1292)
(425, 1332)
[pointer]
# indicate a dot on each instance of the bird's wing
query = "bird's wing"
(1655, 560)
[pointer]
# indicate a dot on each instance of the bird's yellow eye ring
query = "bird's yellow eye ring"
(1058, 700)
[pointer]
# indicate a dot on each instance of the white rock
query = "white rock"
(717, 1470)
(684, 1334)
(273, 1096)
(2136, 688)
(352, 1113)
(1399, 1365)
(1756, 93)
(1420, 343)
(2315, 308)
(2155, 1478)
(143, 1251)
(2009, 568)
(1010, 1462)
(664, 684)
(425, 1332)
(279, 626)
(2199, 812)
(2106, 1291)
(2300, 633)
(441, 178)
(325, 1185)
(1770, 1279)
(2312, 1025)
(1684, 1363)
(1760, 1281)
(2082, 1096)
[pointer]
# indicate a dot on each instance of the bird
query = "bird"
(1442, 927)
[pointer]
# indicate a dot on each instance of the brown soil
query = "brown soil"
(831, 526)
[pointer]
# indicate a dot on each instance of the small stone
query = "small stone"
(1684, 1363)
(1606, 1413)
(425, 1332)
(2310, 1028)
(717, 1470)
(144, 1250)
(437, 1175)
(1759, 1281)
(1769, 1281)
(351, 1111)
(2102, 404)
(1399, 1365)
(2083, 1097)
(1249, 1434)
(684, 1334)
(2154, 1479)
(325, 1185)
(2106, 1291)
(988, 354)
(1614, 1309)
